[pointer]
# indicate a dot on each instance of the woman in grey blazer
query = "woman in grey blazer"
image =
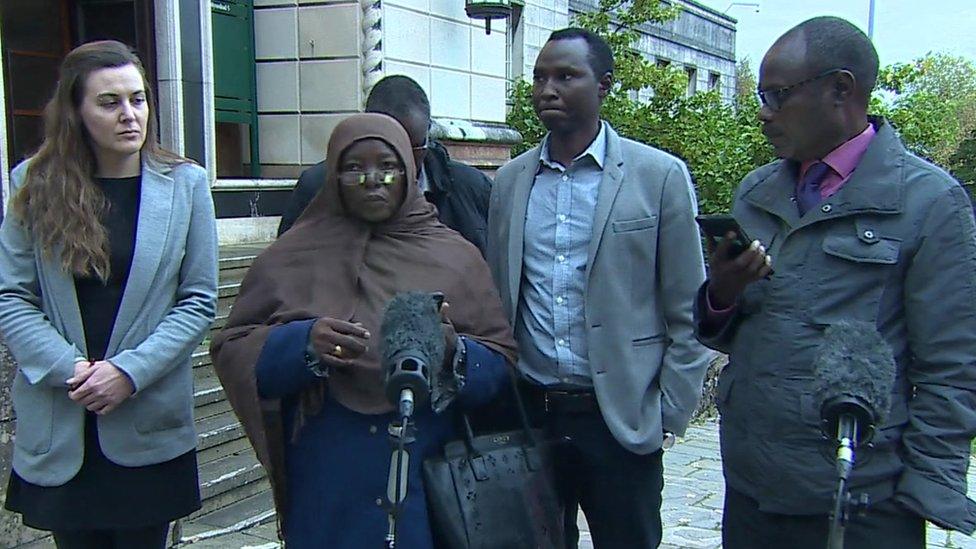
(108, 281)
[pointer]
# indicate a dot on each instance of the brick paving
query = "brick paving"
(691, 511)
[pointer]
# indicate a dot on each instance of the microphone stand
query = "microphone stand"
(843, 508)
(846, 433)
(402, 432)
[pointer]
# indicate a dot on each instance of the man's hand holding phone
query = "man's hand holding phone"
(729, 274)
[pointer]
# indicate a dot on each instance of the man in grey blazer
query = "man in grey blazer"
(593, 245)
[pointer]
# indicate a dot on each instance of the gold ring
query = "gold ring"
(337, 351)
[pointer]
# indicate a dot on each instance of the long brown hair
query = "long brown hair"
(59, 202)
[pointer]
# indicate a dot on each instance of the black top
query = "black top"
(460, 193)
(105, 495)
(99, 302)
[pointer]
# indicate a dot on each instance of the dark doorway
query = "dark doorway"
(37, 34)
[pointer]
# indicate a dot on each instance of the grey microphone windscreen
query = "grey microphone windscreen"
(412, 323)
(855, 361)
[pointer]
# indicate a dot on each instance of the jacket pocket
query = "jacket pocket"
(880, 251)
(167, 404)
(634, 224)
(163, 420)
(650, 340)
(848, 279)
(34, 406)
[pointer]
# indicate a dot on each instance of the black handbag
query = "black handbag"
(494, 491)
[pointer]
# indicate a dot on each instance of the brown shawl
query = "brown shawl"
(331, 264)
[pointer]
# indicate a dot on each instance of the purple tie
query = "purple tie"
(808, 195)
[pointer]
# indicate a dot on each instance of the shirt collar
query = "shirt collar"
(848, 155)
(422, 180)
(597, 150)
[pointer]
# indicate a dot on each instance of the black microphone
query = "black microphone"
(854, 373)
(411, 343)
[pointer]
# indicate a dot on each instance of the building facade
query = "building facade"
(251, 89)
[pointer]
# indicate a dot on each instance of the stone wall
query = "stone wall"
(12, 532)
(706, 406)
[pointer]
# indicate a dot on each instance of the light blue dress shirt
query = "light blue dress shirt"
(550, 326)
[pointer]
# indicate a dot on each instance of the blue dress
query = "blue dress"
(337, 469)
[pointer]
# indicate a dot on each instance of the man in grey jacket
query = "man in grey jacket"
(849, 225)
(593, 244)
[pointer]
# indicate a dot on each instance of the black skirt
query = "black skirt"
(107, 496)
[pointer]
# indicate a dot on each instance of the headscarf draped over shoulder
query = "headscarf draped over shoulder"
(331, 264)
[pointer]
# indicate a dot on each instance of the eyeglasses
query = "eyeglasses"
(774, 98)
(383, 177)
(425, 145)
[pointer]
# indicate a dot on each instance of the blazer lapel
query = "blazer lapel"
(61, 283)
(613, 177)
(152, 230)
(516, 233)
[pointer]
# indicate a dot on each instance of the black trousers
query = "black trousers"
(150, 537)
(618, 491)
(886, 525)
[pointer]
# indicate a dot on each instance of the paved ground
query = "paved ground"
(691, 512)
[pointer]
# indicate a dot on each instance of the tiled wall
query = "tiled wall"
(308, 77)
(539, 19)
(460, 67)
(309, 68)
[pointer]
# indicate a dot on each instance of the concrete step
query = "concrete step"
(216, 430)
(228, 289)
(209, 398)
(230, 475)
(217, 525)
(219, 451)
(229, 472)
(256, 504)
(231, 496)
(237, 256)
(201, 356)
(204, 376)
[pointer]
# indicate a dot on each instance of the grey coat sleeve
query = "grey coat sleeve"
(681, 271)
(43, 354)
(940, 308)
(714, 337)
(195, 304)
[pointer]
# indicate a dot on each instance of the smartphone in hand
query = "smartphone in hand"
(716, 226)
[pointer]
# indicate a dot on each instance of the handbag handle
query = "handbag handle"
(523, 418)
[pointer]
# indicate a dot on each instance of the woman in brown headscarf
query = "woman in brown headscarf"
(299, 356)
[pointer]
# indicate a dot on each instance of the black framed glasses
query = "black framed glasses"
(774, 98)
(382, 177)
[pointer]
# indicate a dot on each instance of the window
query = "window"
(692, 73)
(714, 80)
